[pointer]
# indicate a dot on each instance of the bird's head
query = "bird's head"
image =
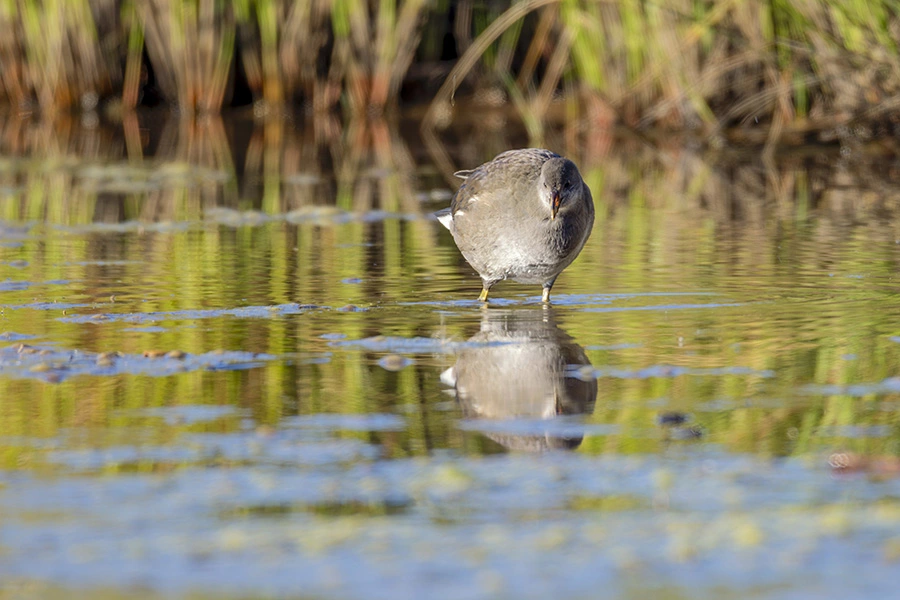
(560, 184)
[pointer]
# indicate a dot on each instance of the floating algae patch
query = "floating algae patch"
(184, 414)
(319, 358)
(131, 458)
(613, 347)
(855, 431)
(313, 215)
(11, 336)
(318, 215)
(238, 448)
(298, 448)
(347, 422)
(15, 231)
(326, 508)
(607, 503)
(665, 307)
(14, 286)
(47, 305)
(130, 179)
(467, 303)
(244, 312)
(587, 302)
(889, 385)
(103, 263)
(657, 371)
(333, 337)
(236, 218)
(14, 236)
(133, 226)
(413, 345)
(53, 365)
(147, 329)
(559, 427)
(10, 285)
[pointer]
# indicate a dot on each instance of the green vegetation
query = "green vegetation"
(792, 66)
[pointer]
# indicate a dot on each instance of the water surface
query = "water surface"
(241, 369)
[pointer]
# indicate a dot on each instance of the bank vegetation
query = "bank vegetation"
(709, 65)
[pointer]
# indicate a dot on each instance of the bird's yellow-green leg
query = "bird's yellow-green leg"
(545, 293)
(484, 294)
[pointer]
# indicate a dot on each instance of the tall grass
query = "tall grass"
(793, 66)
(709, 64)
(52, 52)
(374, 51)
(191, 46)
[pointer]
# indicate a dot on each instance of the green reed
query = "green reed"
(686, 63)
(191, 46)
(51, 52)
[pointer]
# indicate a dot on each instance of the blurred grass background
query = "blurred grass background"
(794, 67)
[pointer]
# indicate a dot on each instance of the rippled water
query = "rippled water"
(264, 382)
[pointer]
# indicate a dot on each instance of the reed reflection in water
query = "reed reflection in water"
(755, 303)
(516, 368)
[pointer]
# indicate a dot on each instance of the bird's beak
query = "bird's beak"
(554, 203)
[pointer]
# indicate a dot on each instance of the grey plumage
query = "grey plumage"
(523, 216)
(517, 367)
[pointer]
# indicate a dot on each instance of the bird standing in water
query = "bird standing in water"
(523, 216)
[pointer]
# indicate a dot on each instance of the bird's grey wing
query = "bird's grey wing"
(465, 195)
(509, 167)
(524, 155)
(473, 188)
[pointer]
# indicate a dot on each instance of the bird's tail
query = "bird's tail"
(445, 217)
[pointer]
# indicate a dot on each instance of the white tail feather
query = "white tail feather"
(445, 218)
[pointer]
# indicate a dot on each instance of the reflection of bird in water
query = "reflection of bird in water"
(516, 367)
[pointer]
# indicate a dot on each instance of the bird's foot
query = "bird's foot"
(484, 295)
(545, 296)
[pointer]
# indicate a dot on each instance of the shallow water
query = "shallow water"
(229, 370)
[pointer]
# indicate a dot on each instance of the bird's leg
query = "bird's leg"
(486, 285)
(545, 293)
